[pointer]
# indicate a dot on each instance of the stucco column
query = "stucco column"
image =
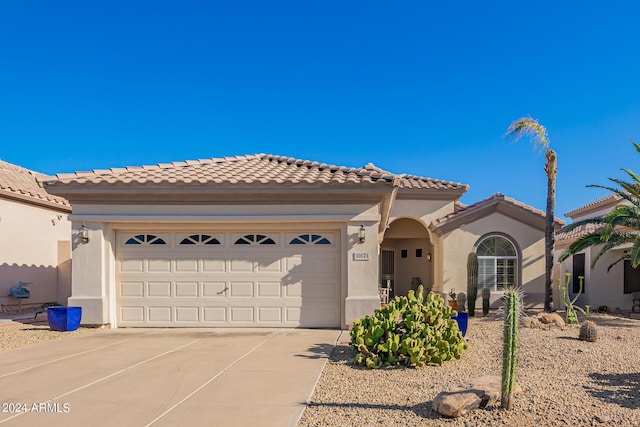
(362, 271)
(88, 278)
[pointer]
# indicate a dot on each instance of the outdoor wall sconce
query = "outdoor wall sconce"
(429, 257)
(362, 234)
(84, 233)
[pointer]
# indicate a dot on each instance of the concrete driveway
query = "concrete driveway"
(165, 377)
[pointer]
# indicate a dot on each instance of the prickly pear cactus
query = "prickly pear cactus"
(588, 331)
(414, 330)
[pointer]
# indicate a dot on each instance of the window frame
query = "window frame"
(509, 261)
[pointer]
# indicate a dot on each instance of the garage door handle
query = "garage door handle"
(223, 291)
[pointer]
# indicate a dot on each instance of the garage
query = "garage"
(216, 279)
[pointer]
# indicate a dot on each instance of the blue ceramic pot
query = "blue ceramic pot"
(64, 319)
(463, 321)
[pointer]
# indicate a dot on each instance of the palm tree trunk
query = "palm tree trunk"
(550, 169)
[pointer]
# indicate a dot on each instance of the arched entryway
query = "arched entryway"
(406, 256)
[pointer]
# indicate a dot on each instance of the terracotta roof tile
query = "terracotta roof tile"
(22, 183)
(461, 209)
(595, 204)
(582, 230)
(252, 169)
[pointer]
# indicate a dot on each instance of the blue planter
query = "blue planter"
(64, 319)
(463, 321)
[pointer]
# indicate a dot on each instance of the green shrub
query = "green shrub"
(411, 330)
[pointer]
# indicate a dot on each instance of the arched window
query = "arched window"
(255, 239)
(497, 263)
(145, 239)
(310, 239)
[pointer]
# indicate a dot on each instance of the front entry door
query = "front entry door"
(387, 271)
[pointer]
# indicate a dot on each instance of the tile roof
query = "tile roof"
(19, 183)
(602, 202)
(250, 169)
(582, 230)
(463, 210)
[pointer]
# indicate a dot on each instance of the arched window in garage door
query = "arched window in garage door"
(255, 239)
(199, 240)
(310, 239)
(145, 239)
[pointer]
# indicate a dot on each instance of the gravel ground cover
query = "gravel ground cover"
(566, 382)
(16, 334)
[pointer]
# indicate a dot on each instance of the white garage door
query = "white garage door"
(270, 279)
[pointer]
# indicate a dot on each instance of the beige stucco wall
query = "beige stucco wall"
(93, 269)
(457, 244)
(602, 287)
(426, 210)
(33, 245)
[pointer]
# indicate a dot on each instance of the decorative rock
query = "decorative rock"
(531, 322)
(480, 393)
(551, 319)
(602, 419)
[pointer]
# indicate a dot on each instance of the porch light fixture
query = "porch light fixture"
(362, 234)
(429, 257)
(84, 233)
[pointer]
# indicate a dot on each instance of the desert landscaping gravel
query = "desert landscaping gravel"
(16, 334)
(566, 382)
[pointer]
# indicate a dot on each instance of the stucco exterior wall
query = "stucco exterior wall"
(32, 248)
(425, 210)
(602, 287)
(529, 241)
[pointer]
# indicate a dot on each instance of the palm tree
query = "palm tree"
(527, 126)
(618, 227)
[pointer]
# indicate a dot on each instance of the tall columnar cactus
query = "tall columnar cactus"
(462, 301)
(510, 346)
(486, 300)
(472, 282)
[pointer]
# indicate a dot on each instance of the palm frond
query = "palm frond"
(527, 126)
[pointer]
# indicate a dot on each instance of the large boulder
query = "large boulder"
(479, 393)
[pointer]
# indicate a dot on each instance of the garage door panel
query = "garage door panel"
(132, 289)
(187, 314)
(269, 290)
(240, 265)
(214, 314)
(186, 266)
(240, 289)
(159, 266)
(132, 266)
(270, 314)
(214, 266)
(249, 285)
(214, 289)
(132, 314)
(241, 314)
(269, 265)
(159, 289)
(160, 314)
(186, 289)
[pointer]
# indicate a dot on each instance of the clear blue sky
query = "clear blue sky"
(425, 88)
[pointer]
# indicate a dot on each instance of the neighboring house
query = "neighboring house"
(264, 240)
(34, 239)
(601, 288)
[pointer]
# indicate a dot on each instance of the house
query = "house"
(264, 240)
(34, 239)
(613, 288)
